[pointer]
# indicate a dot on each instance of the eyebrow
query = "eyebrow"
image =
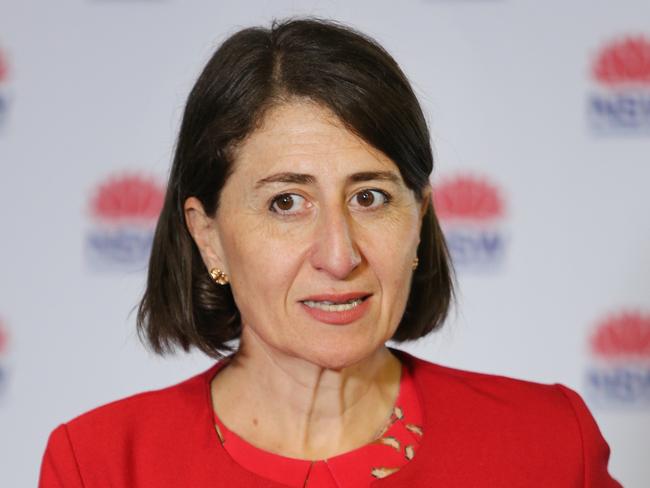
(299, 178)
(374, 175)
(306, 179)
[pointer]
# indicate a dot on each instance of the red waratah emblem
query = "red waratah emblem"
(128, 197)
(4, 338)
(4, 70)
(625, 335)
(467, 197)
(624, 62)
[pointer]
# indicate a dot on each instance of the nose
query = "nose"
(334, 249)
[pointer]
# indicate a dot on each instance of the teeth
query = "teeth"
(333, 307)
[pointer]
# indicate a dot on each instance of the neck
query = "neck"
(293, 407)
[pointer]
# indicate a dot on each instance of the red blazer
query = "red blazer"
(479, 431)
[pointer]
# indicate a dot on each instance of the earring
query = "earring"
(414, 266)
(218, 276)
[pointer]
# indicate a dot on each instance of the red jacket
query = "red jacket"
(480, 431)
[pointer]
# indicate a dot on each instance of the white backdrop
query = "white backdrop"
(543, 171)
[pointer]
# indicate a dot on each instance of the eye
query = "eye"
(287, 204)
(370, 199)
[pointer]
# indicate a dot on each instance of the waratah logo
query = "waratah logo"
(620, 102)
(123, 214)
(4, 95)
(619, 373)
(4, 349)
(471, 210)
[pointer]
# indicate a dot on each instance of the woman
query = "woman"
(298, 221)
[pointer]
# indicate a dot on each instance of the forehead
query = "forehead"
(304, 136)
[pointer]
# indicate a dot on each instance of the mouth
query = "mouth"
(337, 309)
(330, 306)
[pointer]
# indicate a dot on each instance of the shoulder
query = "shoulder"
(486, 388)
(494, 419)
(497, 405)
(165, 404)
(514, 405)
(162, 426)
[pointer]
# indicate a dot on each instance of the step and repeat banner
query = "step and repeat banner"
(540, 119)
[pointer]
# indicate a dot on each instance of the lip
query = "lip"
(344, 317)
(336, 297)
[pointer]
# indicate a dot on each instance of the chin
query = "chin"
(337, 356)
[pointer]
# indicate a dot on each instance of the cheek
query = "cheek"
(390, 257)
(262, 265)
(392, 243)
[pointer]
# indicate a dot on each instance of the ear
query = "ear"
(203, 230)
(426, 201)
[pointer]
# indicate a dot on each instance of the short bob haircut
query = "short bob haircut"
(255, 69)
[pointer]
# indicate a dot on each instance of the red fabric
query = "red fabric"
(480, 431)
(394, 448)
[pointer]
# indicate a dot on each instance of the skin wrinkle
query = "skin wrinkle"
(299, 380)
(316, 389)
(310, 413)
(311, 437)
(305, 179)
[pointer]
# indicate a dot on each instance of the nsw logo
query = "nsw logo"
(4, 90)
(4, 350)
(620, 100)
(619, 373)
(471, 210)
(123, 211)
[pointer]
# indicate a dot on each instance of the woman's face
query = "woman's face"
(317, 232)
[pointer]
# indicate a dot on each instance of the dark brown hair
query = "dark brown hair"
(254, 69)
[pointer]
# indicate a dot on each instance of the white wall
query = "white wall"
(92, 94)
